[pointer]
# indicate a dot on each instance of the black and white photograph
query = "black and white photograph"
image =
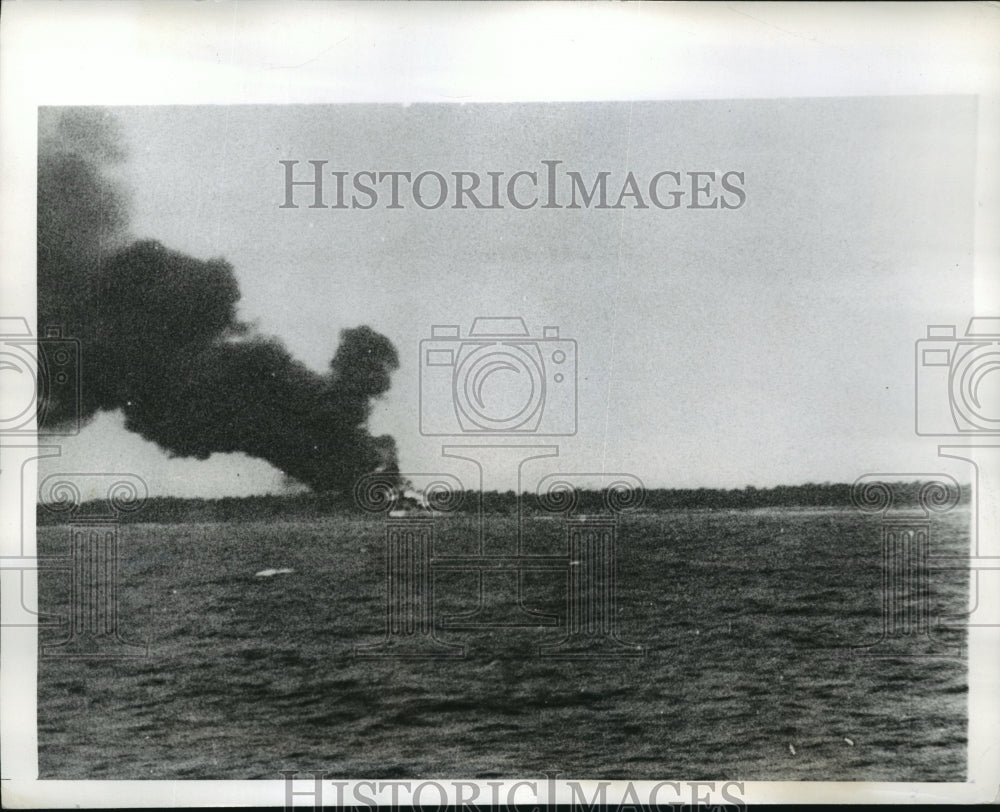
(630, 444)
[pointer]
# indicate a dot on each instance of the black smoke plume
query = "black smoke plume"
(161, 340)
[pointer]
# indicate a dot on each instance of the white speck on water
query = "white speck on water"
(270, 573)
(791, 749)
(849, 741)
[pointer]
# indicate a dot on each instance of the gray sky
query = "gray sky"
(765, 345)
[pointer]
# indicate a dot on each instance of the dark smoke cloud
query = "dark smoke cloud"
(161, 340)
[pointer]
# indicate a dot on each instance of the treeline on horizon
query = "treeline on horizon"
(179, 510)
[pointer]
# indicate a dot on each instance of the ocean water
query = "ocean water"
(753, 626)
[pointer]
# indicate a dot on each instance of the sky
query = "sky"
(768, 344)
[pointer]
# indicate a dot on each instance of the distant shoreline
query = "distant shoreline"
(186, 510)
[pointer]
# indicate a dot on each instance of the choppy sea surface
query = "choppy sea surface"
(753, 625)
